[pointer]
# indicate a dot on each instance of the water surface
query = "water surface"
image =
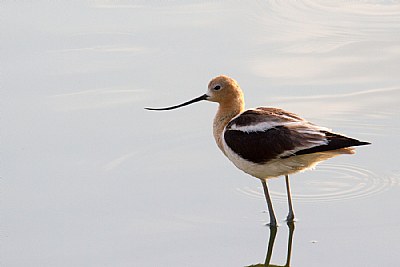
(89, 178)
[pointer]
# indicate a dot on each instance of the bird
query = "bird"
(268, 142)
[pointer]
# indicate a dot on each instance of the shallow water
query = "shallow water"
(89, 178)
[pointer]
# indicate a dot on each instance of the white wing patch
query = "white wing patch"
(258, 127)
(299, 126)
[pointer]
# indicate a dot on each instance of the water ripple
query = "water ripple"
(343, 37)
(341, 182)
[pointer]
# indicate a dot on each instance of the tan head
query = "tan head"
(222, 89)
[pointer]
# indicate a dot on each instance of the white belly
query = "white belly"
(278, 167)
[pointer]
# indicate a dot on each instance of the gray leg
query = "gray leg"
(290, 217)
(272, 218)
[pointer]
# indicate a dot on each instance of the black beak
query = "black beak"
(197, 99)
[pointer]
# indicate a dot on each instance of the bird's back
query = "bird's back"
(262, 135)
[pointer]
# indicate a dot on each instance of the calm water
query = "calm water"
(89, 178)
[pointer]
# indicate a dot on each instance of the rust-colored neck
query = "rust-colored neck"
(226, 112)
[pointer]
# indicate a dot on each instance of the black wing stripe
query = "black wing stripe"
(260, 147)
(335, 141)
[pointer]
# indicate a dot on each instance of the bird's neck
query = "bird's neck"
(224, 115)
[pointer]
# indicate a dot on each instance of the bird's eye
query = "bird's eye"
(217, 87)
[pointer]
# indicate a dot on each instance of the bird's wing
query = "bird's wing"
(263, 134)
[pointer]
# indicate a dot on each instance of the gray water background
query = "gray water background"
(89, 178)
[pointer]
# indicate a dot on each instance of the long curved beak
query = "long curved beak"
(197, 99)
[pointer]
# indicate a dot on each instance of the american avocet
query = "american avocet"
(268, 142)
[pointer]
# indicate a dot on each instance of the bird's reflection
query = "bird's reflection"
(271, 241)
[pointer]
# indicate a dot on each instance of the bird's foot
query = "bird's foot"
(272, 223)
(291, 218)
